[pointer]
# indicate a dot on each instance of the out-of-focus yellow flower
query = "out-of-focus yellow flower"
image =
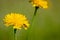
(40, 3)
(17, 20)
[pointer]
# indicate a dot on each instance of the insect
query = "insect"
(24, 25)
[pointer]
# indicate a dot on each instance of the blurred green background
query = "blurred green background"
(46, 25)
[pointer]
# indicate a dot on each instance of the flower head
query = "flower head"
(39, 3)
(17, 20)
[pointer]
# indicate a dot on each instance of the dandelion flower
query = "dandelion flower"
(39, 3)
(17, 20)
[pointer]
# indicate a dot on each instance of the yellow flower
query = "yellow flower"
(17, 20)
(39, 3)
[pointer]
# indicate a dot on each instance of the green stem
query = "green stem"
(36, 8)
(14, 33)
